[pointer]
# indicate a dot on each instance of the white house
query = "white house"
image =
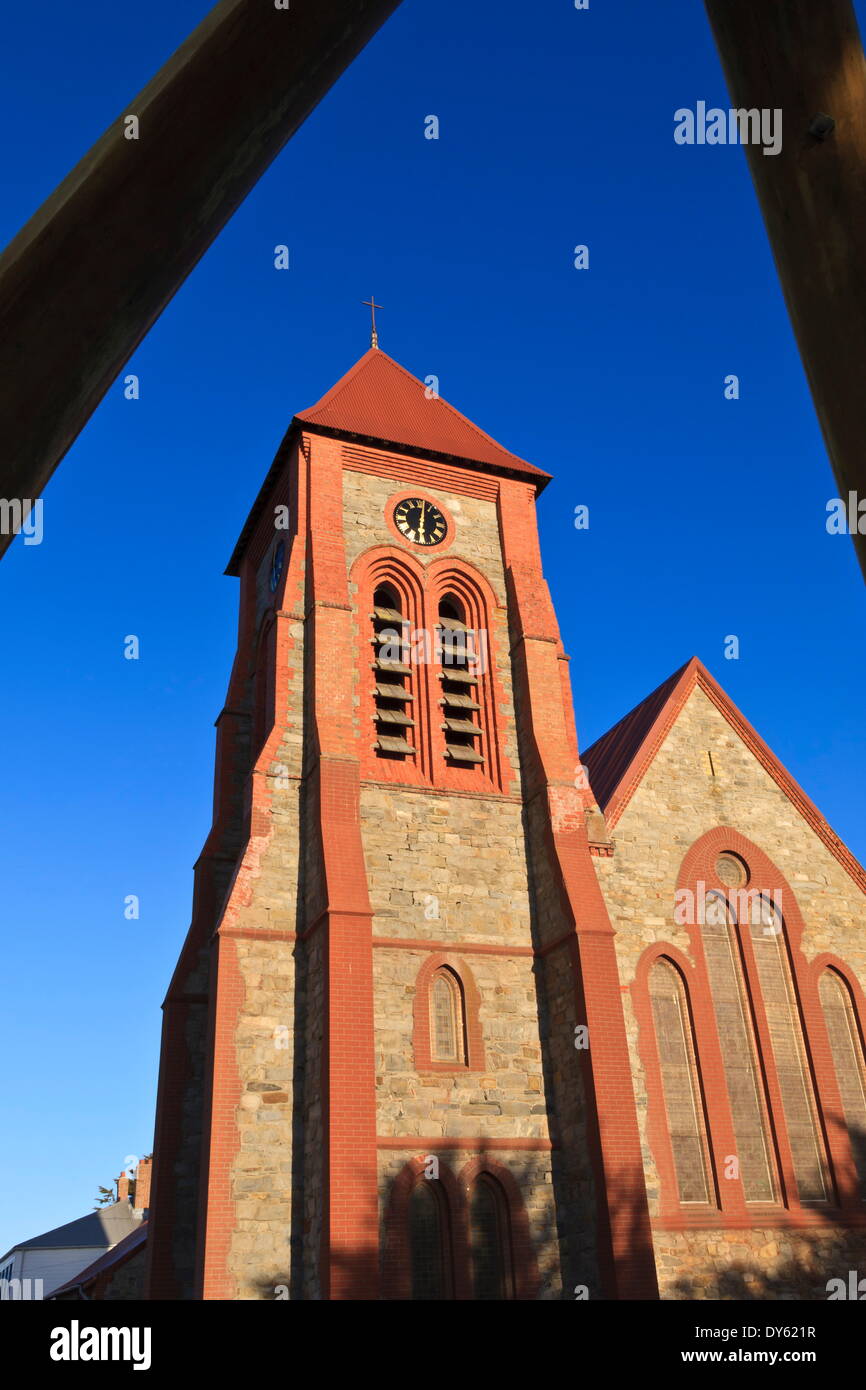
(58, 1255)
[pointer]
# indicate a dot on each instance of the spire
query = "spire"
(373, 306)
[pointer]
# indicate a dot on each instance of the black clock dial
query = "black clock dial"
(419, 521)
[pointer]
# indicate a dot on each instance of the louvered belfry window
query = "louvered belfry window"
(846, 1050)
(460, 675)
(393, 695)
(680, 1084)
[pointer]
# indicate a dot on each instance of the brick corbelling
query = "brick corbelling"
(383, 463)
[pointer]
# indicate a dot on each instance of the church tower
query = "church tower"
(395, 1063)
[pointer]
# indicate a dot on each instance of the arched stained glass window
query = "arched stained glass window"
(447, 1025)
(680, 1083)
(847, 1053)
(489, 1238)
(739, 1050)
(428, 1243)
(789, 1049)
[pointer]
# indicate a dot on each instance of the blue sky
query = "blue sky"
(706, 515)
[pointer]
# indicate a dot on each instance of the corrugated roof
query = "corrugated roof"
(116, 1255)
(378, 399)
(610, 757)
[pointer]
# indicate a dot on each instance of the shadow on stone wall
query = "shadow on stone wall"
(787, 1268)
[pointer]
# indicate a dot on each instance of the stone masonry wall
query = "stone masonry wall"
(676, 803)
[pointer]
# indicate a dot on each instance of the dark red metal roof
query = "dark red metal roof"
(378, 399)
(610, 757)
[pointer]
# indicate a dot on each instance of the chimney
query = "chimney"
(141, 1194)
(122, 1188)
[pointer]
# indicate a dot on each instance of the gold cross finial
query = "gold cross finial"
(373, 306)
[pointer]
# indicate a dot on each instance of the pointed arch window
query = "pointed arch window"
(747, 960)
(490, 1245)
(461, 659)
(846, 1049)
(447, 1019)
(393, 696)
(429, 1243)
(739, 1050)
(770, 949)
(680, 1082)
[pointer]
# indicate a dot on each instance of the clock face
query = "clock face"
(420, 521)
(277, 566)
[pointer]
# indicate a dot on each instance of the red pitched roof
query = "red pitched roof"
(618, 761)
(378, 399)
(610, 757)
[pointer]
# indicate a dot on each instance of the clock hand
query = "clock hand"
(421, 520)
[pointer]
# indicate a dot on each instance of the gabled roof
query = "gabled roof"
(100, 1228)
(618, 761)
(378, 399)
(117, 1255)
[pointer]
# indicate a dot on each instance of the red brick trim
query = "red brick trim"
(396, 1259)
(453, 575)
(349, 1261)
(424, 1061)
(471, 948)
(402, 572)
(695, 674)
(847, 1175)
(549, 758)
(454, 1195)
(258, 934)
(764, 1219)
(420, 588)
(765, 877)
(220, 1137)
(389, 463)
(525, 1280)
(658, 1132)
(484, 795)
(465, 1143)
